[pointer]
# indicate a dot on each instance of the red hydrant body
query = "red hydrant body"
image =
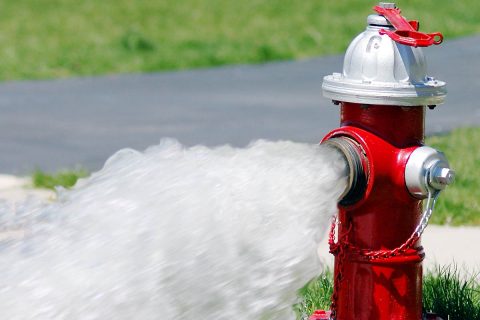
(383, 93)
(384, 218)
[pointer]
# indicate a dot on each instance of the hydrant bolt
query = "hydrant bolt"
(441, 177)
(387, 5)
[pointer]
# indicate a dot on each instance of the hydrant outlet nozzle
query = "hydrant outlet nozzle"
(427, 169)
(355, 160)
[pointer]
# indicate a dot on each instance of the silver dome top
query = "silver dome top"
(377, 70)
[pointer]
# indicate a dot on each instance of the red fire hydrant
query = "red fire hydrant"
(383, 93)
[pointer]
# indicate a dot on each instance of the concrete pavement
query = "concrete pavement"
(61, 123)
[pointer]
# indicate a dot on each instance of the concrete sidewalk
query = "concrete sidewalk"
(61, 123)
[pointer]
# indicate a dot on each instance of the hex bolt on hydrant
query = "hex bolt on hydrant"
(383, 93)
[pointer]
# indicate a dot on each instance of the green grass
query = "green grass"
(65, 178)
(315, 295)
(450, 296)
(459, 204)
(62, 38)
(445, 292)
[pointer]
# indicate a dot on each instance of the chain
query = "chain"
(339, 248)
(417, 233)
(334, 249)
(432, 200)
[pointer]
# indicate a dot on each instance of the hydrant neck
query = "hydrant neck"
(401, 126)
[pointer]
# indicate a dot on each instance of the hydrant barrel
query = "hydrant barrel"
(383, 92)
(383, 218)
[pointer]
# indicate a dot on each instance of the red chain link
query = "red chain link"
(339, 249)
(335, 249)
(386, 254)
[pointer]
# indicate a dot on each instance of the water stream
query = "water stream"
(173, 233)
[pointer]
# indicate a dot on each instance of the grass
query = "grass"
(445, 292)
(62, 38)
(315, 295)
(459, 204)
(450, 296)
(65, 178)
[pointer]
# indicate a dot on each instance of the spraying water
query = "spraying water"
(173, 233)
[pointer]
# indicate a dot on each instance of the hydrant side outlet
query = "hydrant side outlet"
(357, 168)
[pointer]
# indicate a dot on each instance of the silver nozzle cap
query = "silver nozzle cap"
(427, 169)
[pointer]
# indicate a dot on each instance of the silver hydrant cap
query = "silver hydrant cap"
(378, 70)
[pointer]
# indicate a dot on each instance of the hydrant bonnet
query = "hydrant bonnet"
(378, 70)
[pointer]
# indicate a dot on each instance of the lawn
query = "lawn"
(63, 178)
(459, 204)
(63, 38)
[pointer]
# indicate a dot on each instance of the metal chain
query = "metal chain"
(417, 233)
(335, 250)
(339, 248)
(431, 201)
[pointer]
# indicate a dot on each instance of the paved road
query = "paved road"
(62, 123)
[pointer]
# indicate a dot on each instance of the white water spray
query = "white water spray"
(174, 233)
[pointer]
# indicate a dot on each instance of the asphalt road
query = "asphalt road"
(63, 123)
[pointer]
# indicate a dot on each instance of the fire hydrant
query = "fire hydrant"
(383, 94)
